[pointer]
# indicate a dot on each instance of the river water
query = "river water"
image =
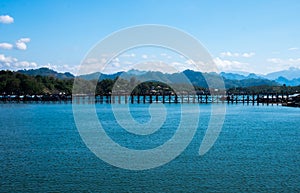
(258, 150)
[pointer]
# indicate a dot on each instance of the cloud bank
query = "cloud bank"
(243, 55)
(14, 64)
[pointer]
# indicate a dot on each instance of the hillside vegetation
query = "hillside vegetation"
(19, 83)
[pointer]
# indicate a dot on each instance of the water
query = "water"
(258, 150)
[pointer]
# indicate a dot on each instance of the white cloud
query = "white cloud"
(6, 46)
(6, 19)
(127, 63)
(294, 60)
(21, 43)
(95, 64)
(293, 48)
(274, 60)
(284, 61)
(279, 64)
(116, 60)
(25, 64)
(21, 46)
(7, 59)
(91, 61)
(154, 66)
(62, 68)
(25, 40)
(231, 65)
(231, 54)
(179, 66)
(190, 62)
(8, 62)
(165, 55)
(248, 55)
(203, 66)
(144, 56)
(128, 55)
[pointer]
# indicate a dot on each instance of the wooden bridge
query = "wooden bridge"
(143, 99)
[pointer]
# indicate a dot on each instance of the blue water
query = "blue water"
(258, 150)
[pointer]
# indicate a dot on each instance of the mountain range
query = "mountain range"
(290, 77)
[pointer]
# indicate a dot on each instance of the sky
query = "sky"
(259, 36)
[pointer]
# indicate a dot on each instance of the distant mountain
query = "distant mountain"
(254, 76)
(47, 72)
(100, 76)
(239, 72)
(232, 76)
(290, 77)
(136, 72)
(291, 73)
(249, 82)
(92, 76)
(196, 78)
(293, 82)
(236, 76)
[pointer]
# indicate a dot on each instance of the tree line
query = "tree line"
(21, 84)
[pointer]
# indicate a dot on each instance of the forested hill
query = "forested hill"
(18, 83)
(47, 72)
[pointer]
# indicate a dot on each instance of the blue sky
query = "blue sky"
(259, 36)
